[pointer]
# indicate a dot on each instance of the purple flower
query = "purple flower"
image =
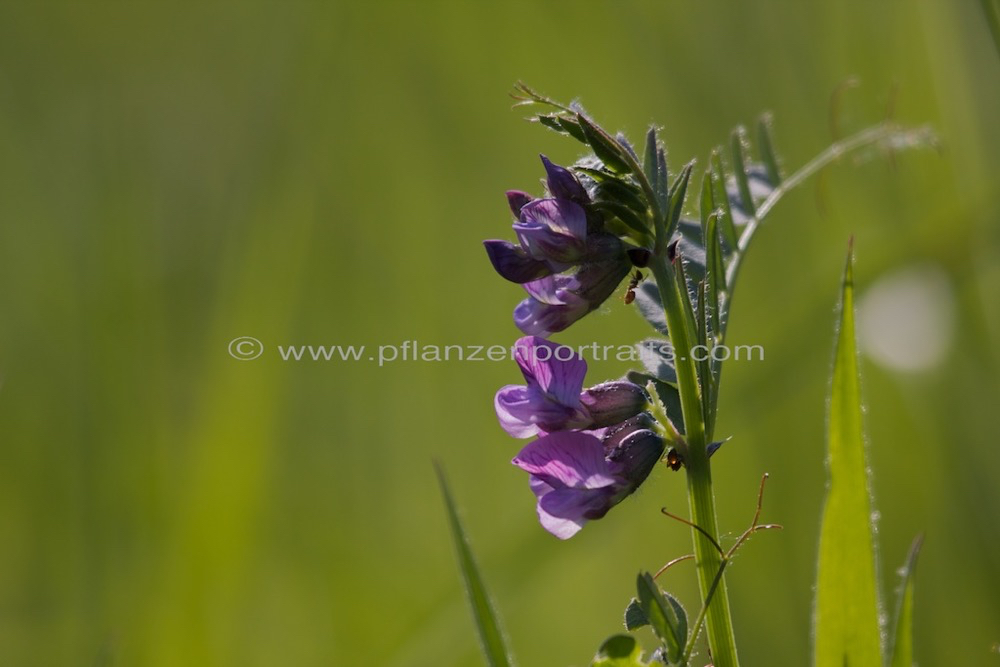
(553, 398)
(553, 230)
(562, 184)
(513, 263)
(555, 302)
(516, 199)
(564, 259)
(577, 477)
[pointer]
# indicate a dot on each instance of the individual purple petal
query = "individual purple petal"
(516, 199)
(554, 290)
(571, 479)
(562, 184)
(560, 527)
(543, 244)
(513, 263)
(586, 503)
(553, 229)
(560, 215)
(568, 459)
(540, 319)
(527, 411)
(555, 369)
(563, 512)
(613, 402)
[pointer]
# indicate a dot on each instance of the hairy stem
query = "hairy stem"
(699, 475)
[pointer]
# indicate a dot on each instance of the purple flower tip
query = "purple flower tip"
(562, 184)
(512, 263)
(516, 199)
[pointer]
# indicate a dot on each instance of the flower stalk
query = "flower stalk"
(701, 498)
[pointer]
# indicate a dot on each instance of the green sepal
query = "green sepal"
(678, 191)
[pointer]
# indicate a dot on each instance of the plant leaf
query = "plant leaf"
(647, 301)
(619, 651)
(605, 148)
(666, 616)
(678, 192)
(901, 641)
(739, 147)
(491, 635)
(650, 165)
(657, 356)
(635, 617)
(767, 153)
(847, 606)
(721, 199)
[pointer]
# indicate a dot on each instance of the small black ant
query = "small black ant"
(632, 284)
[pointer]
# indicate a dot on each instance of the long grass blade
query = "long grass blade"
(901, 641)
(847, 605)
(491, 635)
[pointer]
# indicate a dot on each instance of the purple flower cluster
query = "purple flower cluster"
(595, 445)
(564, 259)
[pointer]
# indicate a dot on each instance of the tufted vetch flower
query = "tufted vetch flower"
(577, 477)
(553, 398)
(564, 258)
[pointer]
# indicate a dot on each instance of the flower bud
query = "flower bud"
(614, 402)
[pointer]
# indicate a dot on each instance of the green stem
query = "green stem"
(699, 475)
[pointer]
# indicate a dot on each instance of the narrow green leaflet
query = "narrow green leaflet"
(847, 605)
(767, 153)
(901, 641)
(487, 622)
(665, 615)
(649, 162)
(739, 147)
(721, 200)
(605, 148)
(678, 193)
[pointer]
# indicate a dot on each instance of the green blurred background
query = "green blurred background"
(323, 173)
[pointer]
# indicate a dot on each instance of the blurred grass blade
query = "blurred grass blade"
(487, 622)
(991, 8)
(847, 607)
(901, 640)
